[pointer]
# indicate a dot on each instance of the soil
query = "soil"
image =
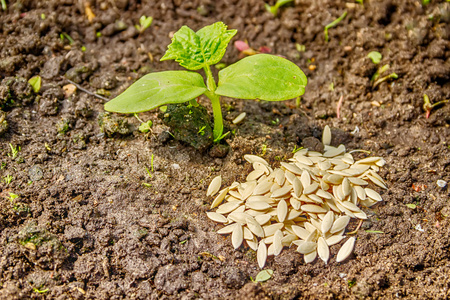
(120, 214)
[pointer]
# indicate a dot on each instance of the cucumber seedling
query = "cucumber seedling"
(261, 76)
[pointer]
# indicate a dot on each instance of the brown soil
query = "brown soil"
(85, 227)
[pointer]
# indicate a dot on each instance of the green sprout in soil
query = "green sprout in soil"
(360, 2)
(3, 2)
(274, 8)
(14, 151)
(427, 106)
(35, 83)
(385, 78)
(11, 197)
(262, 76)
(375, 78)
(144, 23)
(375, 56)
(64, 35)
(333, 24)
(145, 126)
(8, 179)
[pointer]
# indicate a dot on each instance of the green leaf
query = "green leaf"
(197, 50)
(35, 83)
(145, 126)
(145, 22)
(264, 275)
(375, 56)
(262, 76)
(156, 89)
(412, 206)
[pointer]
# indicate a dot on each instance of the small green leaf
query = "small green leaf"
(264, 275)
(197, 50)
(35, 83)
(375, 56)
(156, 89)
(145, 22)
(412, 206)
(145, 126)
(374, 231)
(262, 76)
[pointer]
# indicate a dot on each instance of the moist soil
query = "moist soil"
(108, 212)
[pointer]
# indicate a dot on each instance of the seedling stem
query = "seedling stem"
(332, 24)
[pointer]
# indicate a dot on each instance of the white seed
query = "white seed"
(298, 187)
(271, 229)
(214, 186)
(324, 165)
(279, 177)
(323, 250)
(378, 182)
(270, 250)
(305, 178)
(254, 175)
(304, 160)
(368, 160)
(310, 257)
(238, 217)
(219, 198)
(313, 208)
(315, 198)
(293, 214)
(334, 239)
(306, 247)
(248, 190)
(340, 224)
(360, 192)
(255, 227)
(282, 210)
(235, 194)
(277, 244)
(253, 244)
(282, 191)
(373, 195)
(300, 232)
(334, 179)
(289, 176)
(381, 162)
(261, 254)
(349, 205)
(261, 166)
(361, 215)
(326, 135)
(323, 194)
(314, 153)
(263, 219)
(237, 237)
(346, 249)
(239, 118)
(248, 235)
(291, 168)
(227, 207)
(327, 222)
(310, 188)
(253, 158)
(334, 151)
(227, 229)
(258, 205)
(262, 187)
(216, 217)
(288, 239)
(346, 187)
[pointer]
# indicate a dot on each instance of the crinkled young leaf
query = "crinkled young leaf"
(156, 89)
(262, 76)
(197, 50)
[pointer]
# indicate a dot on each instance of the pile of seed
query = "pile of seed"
(307, 202)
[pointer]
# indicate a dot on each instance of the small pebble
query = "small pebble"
(441, 183)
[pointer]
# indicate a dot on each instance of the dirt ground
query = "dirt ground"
(90, 222)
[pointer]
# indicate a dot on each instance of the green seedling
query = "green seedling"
(261, 76)
(333, 24)
(375, 56)
(379, 72)
(296, 149)
(14, 151)
(426, 2)
(145, 126)
(64, 35)
(3, 2)
(8, 179)
(427, 106)
(35, 83)
(385, 78)
(144, 23)
(12, 196)
(274, 8)
(360, 2)
(36, 290)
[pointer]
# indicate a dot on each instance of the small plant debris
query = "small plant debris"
(262, 76)
(35, 82)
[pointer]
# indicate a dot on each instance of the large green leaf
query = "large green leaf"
(197, 50)
(262, 76)
(156, 89)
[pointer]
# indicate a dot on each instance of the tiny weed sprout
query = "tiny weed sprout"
(3, 2)
(274, 8)
(333, 24)
(144, 23)
(8, 179)
(261, 76)
(375, 56)
(145, 126)
(427, 106)
(14, 151)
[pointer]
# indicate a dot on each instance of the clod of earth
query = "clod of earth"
(307, 202)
